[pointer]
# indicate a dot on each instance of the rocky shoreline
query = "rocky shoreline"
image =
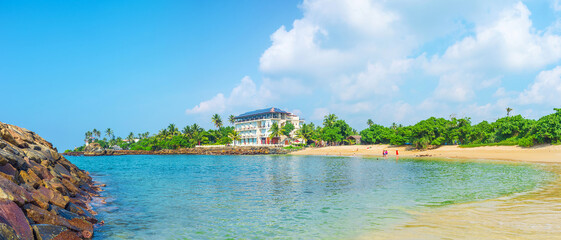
(95, 150)
(43, 196)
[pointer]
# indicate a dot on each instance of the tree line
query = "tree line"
(431, 132)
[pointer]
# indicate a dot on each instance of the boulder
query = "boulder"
(12, 215)
(42, 216)
(86, 228)
(7, 232)
(11, 191)
(47, 231)
(8, 169)
(70, 235)
(80, 211)
(64, 213)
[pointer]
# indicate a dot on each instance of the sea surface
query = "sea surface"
(287, 197)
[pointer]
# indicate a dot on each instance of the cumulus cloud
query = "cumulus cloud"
(363, 57)
(244, 94)
(545, 89)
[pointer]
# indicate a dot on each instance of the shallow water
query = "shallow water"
(287, 197)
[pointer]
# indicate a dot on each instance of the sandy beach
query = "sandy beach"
(530, 215)
(538, 154)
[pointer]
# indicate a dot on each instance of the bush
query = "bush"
(526, 142)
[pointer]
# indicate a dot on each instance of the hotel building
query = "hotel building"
(254, 127)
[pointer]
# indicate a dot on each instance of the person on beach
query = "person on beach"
(396, 152)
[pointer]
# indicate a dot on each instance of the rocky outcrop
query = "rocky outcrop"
(95, 151)
(42, 195)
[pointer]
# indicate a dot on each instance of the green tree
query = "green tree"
(217, 120)
(232, 119)
(508, 110)
(109, 133)
(275, 130)
(369, 122)
(329, 120)
(235, 136)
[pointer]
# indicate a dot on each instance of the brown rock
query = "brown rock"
(72, 189)
(10, 190)
(42, 216)
(82, 224)
(39, 199)
(30, 178)
(47, 231)
(68, 235)
(12, 215)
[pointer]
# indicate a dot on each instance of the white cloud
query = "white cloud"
(359, 58)
(509, 43)
(545, 89)
(244, 94)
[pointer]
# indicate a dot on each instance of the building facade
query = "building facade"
(254, 127)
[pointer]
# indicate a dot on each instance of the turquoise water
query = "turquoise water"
(284, 197)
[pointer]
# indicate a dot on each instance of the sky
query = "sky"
(67, 67)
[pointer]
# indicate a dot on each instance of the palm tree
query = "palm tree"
(187, 131)
(235, 136)
(172, 130)
(96, 133)
(130, 137)
(146, 134)
(329, 120)
(217, 120)
(109, 133)
(370, 122)
(88, 136)
(275, 130)
(231, 119)
(508, 110)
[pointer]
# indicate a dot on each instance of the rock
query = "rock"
(47, 231)
(69, 235)
(8, 169)
(64, 213)
(11, 191)
(80, 211)
(12, 215)
(62, 170)
(30, 178)
(7, 136)
(72, 189)
(86, 228)
(7, 232)
(42, 216)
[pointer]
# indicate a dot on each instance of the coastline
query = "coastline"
(536, 154)
(187, 151)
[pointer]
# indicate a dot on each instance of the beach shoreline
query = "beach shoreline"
(536, 154)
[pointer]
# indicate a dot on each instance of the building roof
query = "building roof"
(261, 111)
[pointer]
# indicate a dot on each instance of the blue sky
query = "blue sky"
(67, 67)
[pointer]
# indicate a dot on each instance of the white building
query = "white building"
(254, 127)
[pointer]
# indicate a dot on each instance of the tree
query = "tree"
(235, 136)
(130, 137)
(217, 120)
(96, 133)
(329, 120)
(172, 129)
(88, 136)
(287, 129)
(275, 130)
(109, 133)
(232, 119)
(369, 122)
(508, 110)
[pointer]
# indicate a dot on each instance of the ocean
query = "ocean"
(286, 197)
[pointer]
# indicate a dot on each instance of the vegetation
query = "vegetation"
(431, 132)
